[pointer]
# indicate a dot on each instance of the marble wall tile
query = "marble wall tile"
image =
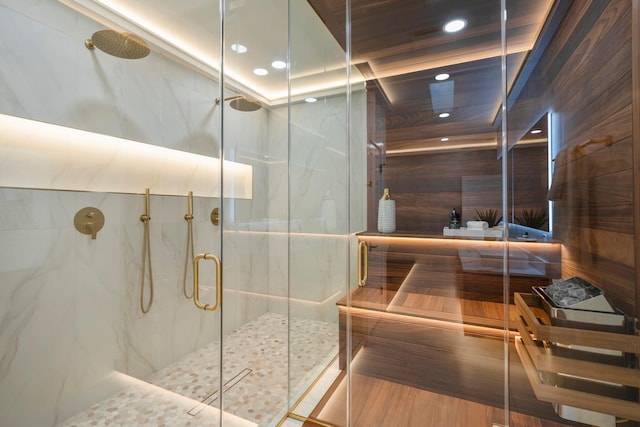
(26, 44)
(174, 326)
(313, 264)
(190, 117)
(37, 315)
(46, 12)
(319, 160)
(70, 311)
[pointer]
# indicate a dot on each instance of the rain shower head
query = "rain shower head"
(121, 45)
(241, 103)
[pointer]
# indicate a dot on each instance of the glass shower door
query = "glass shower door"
(253, 103)
(113, 156)
(422, 326)
(585, 143)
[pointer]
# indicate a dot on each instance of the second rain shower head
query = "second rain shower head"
(121, 45)
(241, 103)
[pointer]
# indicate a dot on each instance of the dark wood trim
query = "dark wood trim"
(556, 16)
(635, 58)
(372, 156)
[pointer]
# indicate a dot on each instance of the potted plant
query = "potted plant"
(533, 218)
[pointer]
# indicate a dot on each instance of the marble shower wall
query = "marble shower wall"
(325, 199)
(70, 322)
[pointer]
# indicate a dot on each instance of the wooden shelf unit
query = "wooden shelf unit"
(536, 332)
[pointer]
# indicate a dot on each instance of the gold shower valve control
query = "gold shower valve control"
(215, 216)
(89, 221)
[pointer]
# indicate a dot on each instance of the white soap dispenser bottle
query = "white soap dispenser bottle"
(386, 213)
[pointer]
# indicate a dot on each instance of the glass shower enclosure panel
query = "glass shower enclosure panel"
(574, 117)
(423, 322)
(255, 133)
(326, 149)
(112, 172)
(319, 195)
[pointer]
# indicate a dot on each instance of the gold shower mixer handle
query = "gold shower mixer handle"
(89, 221)
(196, 282)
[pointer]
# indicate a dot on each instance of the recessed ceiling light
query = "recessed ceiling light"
(444, 139)
(310, 99)
(442, 76)
(279, 65)
(240, 48)
(443, 115)
(454, 26)
(260, 72)
(535, 131)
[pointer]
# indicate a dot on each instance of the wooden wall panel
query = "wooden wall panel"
(426, 187)
(375, 154)
(480, 193)
(635, 89)
(596, 63)
(586, 79)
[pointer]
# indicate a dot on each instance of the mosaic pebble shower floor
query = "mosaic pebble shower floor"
(255, 379)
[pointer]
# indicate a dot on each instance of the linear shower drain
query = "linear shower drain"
(214, 396)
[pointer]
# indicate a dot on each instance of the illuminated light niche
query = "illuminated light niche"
(40, 155)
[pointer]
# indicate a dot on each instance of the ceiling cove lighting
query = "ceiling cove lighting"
(260, 72)
(279, 65)
(442, 76)
(443, 115)
(454, 146)
(193, 52)
(239, 48)
(454, 26)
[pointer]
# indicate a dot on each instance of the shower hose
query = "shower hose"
(188, 259)
(146, 256)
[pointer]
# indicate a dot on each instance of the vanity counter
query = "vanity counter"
(454, 235)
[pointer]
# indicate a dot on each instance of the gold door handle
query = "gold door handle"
(363, 263)
(196, 282)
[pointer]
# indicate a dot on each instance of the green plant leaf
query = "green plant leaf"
(533, 218)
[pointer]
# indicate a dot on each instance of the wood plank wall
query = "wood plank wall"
(585, 79)
(635, 59)
(426, 187)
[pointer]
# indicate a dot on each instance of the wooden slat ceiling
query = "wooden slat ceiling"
(400, 46)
